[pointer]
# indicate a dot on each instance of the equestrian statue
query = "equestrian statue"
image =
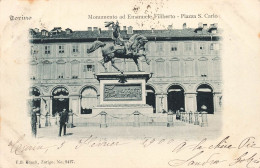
(131, 49)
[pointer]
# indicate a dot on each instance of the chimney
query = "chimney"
(99, 31)
(130, 30)
(169, 27)
(95, 29)
(44, 32)
(200, 25)
(214, 31)
(213, 28)
(59, 29)
(205, 26)
(32, 32)
(124, 27)
(89, 28)
(184, 25)
(68, 31)
(36, 30)
(152, 30)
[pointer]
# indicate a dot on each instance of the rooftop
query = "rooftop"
(106, 35)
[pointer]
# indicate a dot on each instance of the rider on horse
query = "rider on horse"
(118, 41)
(131, 49)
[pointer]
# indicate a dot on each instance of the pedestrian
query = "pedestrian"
(182, 113)
(178, 116)
(63, 121)
(34, 122)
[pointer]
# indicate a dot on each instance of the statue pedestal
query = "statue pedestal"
(123, 93)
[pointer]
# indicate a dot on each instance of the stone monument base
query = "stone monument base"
(123, 109)
(123, 93)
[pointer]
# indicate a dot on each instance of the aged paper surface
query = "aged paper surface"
(236, 142)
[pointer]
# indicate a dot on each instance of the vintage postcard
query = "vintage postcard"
(140, 83)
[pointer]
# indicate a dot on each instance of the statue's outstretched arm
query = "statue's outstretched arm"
(107, 24)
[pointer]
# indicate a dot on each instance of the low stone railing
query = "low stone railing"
(135, 119)
(196, 118)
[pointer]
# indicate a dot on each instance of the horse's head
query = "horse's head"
(142, 41)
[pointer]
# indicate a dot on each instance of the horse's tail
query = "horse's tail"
(95, 45)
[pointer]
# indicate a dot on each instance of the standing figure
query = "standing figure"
(116, 32)
(63, 121)
(34, 122)
(178, 115)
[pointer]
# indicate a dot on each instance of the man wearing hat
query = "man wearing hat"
(63, 121)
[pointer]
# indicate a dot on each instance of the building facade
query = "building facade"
(185, 66)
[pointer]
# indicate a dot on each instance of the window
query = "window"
(202, 47)
(89, 68)
(61, 71)
(46, 71)
(75, 70)
(175, 68)
(88, 71)
(34, 50)
(174, 47)
(130, 30)
(61, 49)
(216, 68)
(214, 46)
(33, 71)
(75, 48)
(188, 46)
(159, 47)
(189, 68)
(47, 49)
(160, 68)
(203, 67)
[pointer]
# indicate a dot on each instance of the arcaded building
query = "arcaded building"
(185, 66)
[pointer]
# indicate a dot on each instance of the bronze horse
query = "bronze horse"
(110, 52)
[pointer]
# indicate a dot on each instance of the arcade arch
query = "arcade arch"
(150, 97)
(175, 98)
(60, 100)
(205, 97)
(88, 100)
